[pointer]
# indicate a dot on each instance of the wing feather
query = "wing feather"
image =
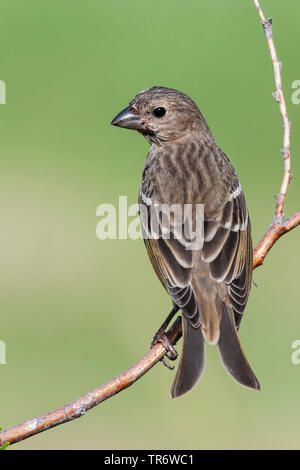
(227, 250)
(233, 264)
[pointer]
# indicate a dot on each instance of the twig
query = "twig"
(275, 231)
(278, 228)
(79, 407)
(278, 95)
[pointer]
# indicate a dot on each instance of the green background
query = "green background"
(76, 311)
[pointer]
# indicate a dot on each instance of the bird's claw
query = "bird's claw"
(171, 352)
(166, 363)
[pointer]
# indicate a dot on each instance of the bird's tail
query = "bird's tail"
(231, 352)
(192, 361)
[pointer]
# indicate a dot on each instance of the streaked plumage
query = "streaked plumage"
(210, 285)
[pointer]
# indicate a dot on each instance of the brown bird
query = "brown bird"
(209, 282)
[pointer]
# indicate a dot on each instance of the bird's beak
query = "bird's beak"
(127, 119)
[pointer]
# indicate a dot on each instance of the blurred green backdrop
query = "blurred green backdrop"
(76, 311)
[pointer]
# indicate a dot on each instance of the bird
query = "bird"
(209, 281)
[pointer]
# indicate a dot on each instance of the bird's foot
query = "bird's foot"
(171, 354)
(161, 337)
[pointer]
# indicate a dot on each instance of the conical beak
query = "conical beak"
(127, 119)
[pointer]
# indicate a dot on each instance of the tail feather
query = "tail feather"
(192, 361)
(231, 352)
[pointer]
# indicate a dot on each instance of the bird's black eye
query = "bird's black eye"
(159, 112)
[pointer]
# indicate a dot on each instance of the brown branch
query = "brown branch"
(278, 95)
(275, 231)
(278, 228)
(79, 407)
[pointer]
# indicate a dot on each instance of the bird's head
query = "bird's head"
(162, 115)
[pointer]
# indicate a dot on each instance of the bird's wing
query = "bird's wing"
(170, 258)
(228, 250)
